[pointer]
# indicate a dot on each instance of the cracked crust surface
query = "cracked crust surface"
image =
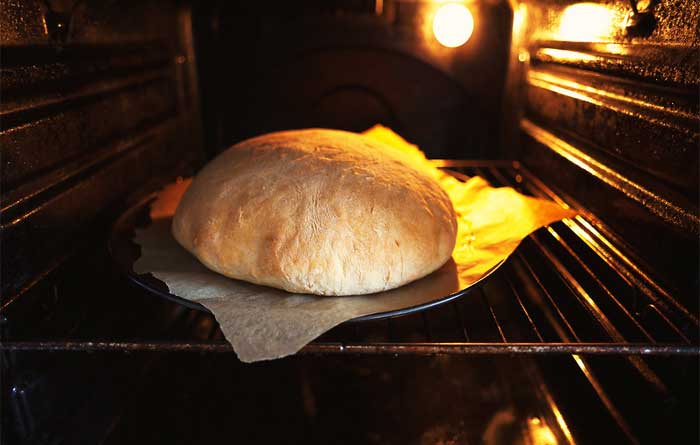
(316, 211)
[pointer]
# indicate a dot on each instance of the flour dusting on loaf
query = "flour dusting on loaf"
(316, 211)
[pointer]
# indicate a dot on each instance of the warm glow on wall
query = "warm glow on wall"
(519, 16)
(587, 22)
(540, 433)
(453, 24)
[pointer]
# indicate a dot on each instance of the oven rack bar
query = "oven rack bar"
(643, 308)
(570, 294)
(566, 290)
(454, 348)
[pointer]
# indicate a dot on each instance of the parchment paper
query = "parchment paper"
(263, 323)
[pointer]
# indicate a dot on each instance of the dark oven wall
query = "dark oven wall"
(610, 116)
(350, 64)
(98, 99)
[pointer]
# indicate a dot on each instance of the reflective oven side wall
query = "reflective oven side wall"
(99, 105)
(97, 100)
(607, 112)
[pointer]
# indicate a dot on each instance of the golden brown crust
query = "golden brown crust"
(316, 211)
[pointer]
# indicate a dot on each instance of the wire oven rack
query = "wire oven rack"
(568, 289)
(569, 296)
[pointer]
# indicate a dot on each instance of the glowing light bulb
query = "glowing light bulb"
(453, 24)
(587, 22)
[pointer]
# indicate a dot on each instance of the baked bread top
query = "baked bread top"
(317, 211)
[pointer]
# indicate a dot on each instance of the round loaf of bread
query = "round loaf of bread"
(316, 211)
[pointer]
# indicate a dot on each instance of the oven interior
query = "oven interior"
(587, 334)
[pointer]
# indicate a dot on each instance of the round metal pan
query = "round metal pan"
(125, 252)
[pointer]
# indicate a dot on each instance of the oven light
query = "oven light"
(453, 24)
(587, 22)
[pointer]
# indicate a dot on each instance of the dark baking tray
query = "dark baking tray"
(125, 252)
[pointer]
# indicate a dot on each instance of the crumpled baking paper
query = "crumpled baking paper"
(263, 323)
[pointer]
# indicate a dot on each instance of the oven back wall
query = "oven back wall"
(97, 100)
(269, 66)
